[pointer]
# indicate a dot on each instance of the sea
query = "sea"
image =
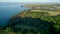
(9, 10)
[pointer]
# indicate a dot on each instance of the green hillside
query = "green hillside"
(28, 22)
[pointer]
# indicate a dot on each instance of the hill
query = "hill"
(29, 22)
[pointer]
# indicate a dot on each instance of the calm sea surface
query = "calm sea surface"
(7, 11)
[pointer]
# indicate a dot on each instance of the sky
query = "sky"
(30, 1)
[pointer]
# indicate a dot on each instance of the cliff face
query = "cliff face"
(34, 21)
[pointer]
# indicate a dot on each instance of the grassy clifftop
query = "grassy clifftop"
(35, 22)
(41, 19)
(28, 22)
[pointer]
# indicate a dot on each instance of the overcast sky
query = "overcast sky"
(30, 1)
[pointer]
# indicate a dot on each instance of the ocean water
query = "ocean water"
(10, 10)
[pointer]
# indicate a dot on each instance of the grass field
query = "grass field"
(52, 13)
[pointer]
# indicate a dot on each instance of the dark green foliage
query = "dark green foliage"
(33, 24)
